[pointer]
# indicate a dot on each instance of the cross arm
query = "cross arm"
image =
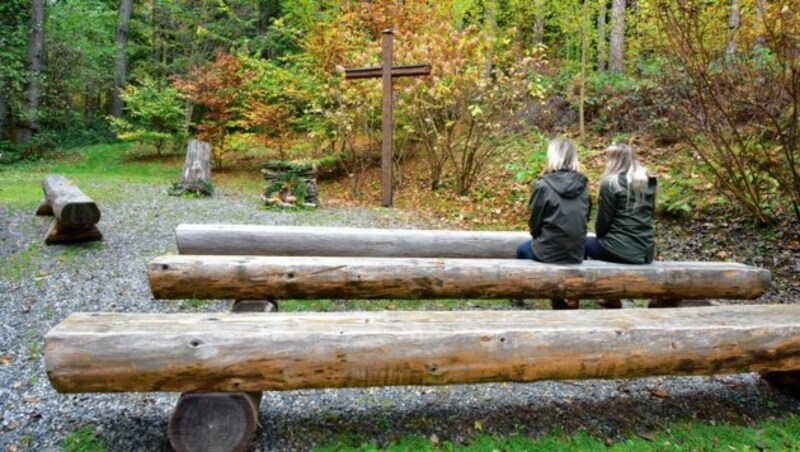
(397, 71)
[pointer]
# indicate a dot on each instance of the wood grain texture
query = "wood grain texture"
(277, 277)
(253, 240)
(69, 205)
(281, 351)
(212, 422)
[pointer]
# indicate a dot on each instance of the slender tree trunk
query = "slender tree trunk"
(602, 44)
(616, 59)
(733, 27)
(584, 44)
(3, 108)
(490, 22)
(120, 67)
(761, 15)
(33, 86)
(538, 22)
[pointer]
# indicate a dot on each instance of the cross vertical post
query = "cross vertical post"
(387, 73)
(387, 190)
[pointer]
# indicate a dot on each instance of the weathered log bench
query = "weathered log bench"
(205, 355)
(76, 215)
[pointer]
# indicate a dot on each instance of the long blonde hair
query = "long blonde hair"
(561, 155)
(620, 158)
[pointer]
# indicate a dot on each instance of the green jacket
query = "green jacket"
(622, 230)
(560, 208)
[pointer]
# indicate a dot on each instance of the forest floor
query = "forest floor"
(41, 285)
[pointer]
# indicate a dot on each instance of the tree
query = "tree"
(33, 87)
(733, 27)
(616, 52)
(120, 66)
(602, 44)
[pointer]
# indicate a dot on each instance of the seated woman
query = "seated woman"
(626, 203)
(560, 206)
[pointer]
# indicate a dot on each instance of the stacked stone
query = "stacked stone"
(274, 172)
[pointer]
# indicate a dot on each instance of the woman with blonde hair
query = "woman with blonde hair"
(626, 205)
(560, 207)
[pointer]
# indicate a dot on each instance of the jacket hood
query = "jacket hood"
(568, 184)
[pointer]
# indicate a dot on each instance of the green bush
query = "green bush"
(155, 115)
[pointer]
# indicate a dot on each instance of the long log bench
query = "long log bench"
(76, 215)
(221, 362)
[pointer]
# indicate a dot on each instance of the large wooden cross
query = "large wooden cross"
(387, 72)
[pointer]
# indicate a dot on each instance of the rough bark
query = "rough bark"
(616, 51)
(761, 15)
(253, 352)
(69, 205)
(245, 277)
(602, 44)
(733, 27)
(34, 63)
(120, 63)
(256, 240)
(196, 175)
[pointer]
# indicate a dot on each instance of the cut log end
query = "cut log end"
(214, 421)
(44, 209)
(254, 306)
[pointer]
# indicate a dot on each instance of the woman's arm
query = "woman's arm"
(605, 210)
(538, 203)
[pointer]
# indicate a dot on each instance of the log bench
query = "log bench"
(221, 362)
(76, 215)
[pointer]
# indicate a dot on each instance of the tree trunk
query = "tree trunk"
(616, 53)
(584, 44)
(3, 109)
(602, 43)
(733, 27)
(259, 277)
(33, 86)
(538, 22)
(120, 64)
(196, 175)
(90, 352)
(761, 15)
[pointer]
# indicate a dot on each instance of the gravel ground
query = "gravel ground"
(40, 286)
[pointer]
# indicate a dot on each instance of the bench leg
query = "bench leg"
(788, 381)
(218, 421)
(58, 233)
(214, 421)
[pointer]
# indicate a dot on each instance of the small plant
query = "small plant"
(83, 440)
(196, 188)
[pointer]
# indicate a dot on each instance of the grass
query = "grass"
(101, 171)
(83, 440)
(780, 434)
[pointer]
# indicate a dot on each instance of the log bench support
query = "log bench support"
(218, 421)
(76, 215)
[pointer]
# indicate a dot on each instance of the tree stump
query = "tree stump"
(76, 215)
(196, 175)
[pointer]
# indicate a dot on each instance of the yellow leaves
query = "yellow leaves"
(201, 31)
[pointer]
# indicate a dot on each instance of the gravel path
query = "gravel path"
(40, 286)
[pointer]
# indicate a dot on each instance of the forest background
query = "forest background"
(707, 92)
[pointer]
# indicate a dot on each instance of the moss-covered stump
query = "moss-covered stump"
(290, 184)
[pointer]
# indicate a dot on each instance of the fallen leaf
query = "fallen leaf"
(391, 307)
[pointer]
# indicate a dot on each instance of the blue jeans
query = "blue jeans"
(525, 251)
(595, 250)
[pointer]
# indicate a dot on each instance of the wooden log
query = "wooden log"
(57, 233)
(282, 351)
(69, 205)
(317, 241)
(214, 422)
(256, 277)
(44, 209)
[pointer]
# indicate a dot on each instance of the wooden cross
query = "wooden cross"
(387, 72)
